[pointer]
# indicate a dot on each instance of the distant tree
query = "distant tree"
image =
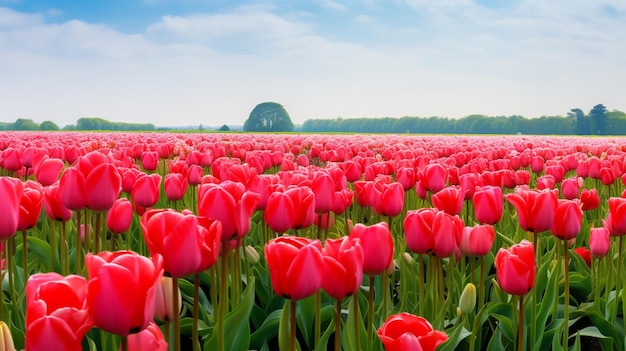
(224, 128)
(268, 117)
(48, 125)
(25, 124)
(597, 115)
(581, 121)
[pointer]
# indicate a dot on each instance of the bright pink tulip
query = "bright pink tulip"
(535, 209)
(477, 240)
(11, 190)
(323, 187)
(590, 199)
(102, 187)
(449, 199)
(187, 243)
(390, 198)
(120, 216)
(48, 170)
(52, 204)
(570, 188)
(406, 176)
(377, 246)
(488, 201)
(72, 189)
(295, 265)
(11, 159)
(568, 220)
(56, 312)
(407, 332)
(149, 339)
(599, 241)
(30, 205)
(447, 231)
(515, 268)
(122, 290)
(149, 160)
(194, 177)
(418, 230)
(434, 178)
(147, 190)
(617, 212)
(343, 271)
(175, 186)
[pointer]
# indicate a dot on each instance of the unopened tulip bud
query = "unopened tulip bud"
(251, 254)
(467, 302)
(408, 258)
(6, 340)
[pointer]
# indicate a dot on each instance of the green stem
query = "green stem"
(53, 245)
(176, 314)
(481, 284)
(355, 301)
(196, 311)
(223, 298)
(1, 289)
(618, 283)
(25, 256)
(338, 325)
(11, 271)
(370, 314)
(533, 309)
(318, 317)
(293, 325)
(385, 285)
(566, 300)
(421, 287)
(124, 343)
(78, 245)
(65, 250)
(520, 325)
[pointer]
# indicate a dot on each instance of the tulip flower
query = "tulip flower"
(570, 187)
(407, 332)
(343, 272)
(585, 254)
(535, 209)
(48, 170)
(120, 216)
(515, 268)
(323, 187)
(488, 203)
(567, 219)
(390, 198)
(175, 186)
(11, 159)
(72, 189)
(449, 200)
(147, 189)
(122, 290)
(102, 187)
(11, 190)
(617, 213)
(149, 160)
(434, 177)
(6, 339)
(477, 240)
(377, 246)
(590, 199)
(149, 339)
(187, 243)
(599, 241)
(164, 309)
(56, 312)
(30, 205)
(296, 266)
(52, 204)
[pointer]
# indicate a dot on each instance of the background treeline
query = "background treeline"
(598, 121)
(85, 123)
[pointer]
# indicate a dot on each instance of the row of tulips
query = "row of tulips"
(154, 241)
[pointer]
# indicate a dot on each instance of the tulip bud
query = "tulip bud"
(164, 306)
(6, 340)
(408, 258)
(251, 254)
(467, 302)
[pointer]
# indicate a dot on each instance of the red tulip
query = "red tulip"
(122, 290)
(56, 312)
(230, 203)
(477, 240)
(72, 189)
(449, 199)
(11, 159)
(30, 205)
(48, 170)
(418, 230)
(52, 204)
(296, 266)
(585, 254)
(365, 192)
(149, 339)
(102, 187)
(164, 305)
(568, 220)
(515, 268)
(343, 270)
(175, 186)
(194, 176)
(149, 160)
(590, 199)
(353, 170)
(536, 164)
(434, 178)
(535, 209)
(406, 176)
(377, 246)
(120, 216)
(11, 190)
(323, 187)
(407, 332)
(599, 241)
(617, 214)
(342, 200)
(390, 198)
(488, 201)
(545, 182)
(187, 243)
(147, 190)
(446, 231)
(570, 187)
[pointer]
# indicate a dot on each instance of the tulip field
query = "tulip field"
(172, 241)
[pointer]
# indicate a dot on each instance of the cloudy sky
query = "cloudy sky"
(190, 62)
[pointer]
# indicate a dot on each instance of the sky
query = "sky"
(210, 62)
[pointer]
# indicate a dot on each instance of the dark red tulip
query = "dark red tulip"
(295, 265)
(56, 312)
(585, 254)
(30, 205)
(407, 332)
(515, 268)
(11, 190)
(175, 186)
(568, 220)
(147, 190)
(122, 290)
(377, 246)
(120, 216)
(535, 209)
(187, 243)
(343, 272)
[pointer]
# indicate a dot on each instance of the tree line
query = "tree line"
(598, 121)
(84, 124)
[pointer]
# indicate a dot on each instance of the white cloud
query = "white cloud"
(364, 19)
(333, 5)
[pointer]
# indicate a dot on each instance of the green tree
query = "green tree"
(224, 128)
(581, 121)
(48, 125)
(597, 115)
(268, 117)
(25, 124)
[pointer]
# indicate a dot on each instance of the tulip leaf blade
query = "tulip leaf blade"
(42, 251)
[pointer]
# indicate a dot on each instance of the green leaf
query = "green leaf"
(236, 324)
(267, 331)
(455, 336)
(503, 312)
(41, 251)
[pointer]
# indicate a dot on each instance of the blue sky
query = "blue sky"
(190, 62)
